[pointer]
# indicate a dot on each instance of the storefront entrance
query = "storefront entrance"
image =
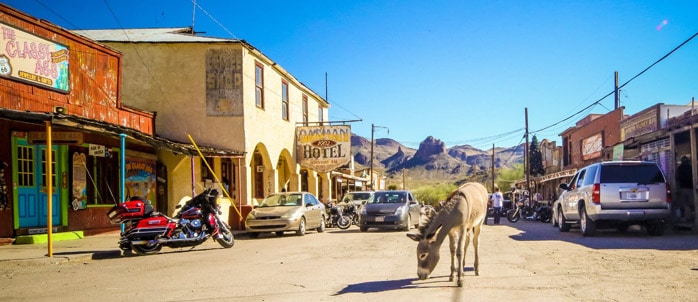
(30, 179)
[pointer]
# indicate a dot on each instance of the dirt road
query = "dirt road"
(526, 261)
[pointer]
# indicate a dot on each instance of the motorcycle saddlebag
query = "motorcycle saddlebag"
(132, 209)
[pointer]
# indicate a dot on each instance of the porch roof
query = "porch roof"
(113, 130)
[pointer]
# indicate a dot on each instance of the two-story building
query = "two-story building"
(224, 93)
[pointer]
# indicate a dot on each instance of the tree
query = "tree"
(535, 158)
(507, 176)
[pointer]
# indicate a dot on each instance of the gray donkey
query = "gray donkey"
(463, 212)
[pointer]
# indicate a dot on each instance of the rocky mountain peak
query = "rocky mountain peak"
(430, 147)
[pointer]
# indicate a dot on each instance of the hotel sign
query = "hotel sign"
(30, 58)
(323, 148)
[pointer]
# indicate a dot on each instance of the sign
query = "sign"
(592, 146)
(30, 58)
(57, 138)
(323, 148)
(79, 192)
(98, 150)
(618, 152)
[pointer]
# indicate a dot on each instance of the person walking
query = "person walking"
(497, 202)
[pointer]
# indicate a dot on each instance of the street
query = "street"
(524, 261)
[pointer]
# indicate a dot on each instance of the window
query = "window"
(25, 166)
(205, 173)
(320, 116)
(305, 110)
(284, 100)
(101, 175)
(259, 85)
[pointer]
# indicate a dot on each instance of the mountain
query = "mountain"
(432, 159)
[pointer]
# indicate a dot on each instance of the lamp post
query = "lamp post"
(373, 129)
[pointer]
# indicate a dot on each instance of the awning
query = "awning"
(348, 176)
(114, 131)
(556, 175)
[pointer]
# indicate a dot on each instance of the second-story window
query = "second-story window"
(305, 110)
(284, 100)
(320, 117)
(259, 85)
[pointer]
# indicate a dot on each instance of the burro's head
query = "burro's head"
(427, 253)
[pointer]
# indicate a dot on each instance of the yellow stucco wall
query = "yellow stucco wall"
(171, 80)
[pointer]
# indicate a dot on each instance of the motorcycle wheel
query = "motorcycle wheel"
(513, 215)
(546, 216)
(147, 249)
(226, 239)
(343, 222)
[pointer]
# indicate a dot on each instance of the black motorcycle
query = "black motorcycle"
(526, 212)
(337, 218)
(351, 210)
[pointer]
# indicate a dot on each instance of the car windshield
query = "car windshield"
(356, 196)
(640, 174)
(282, 200)
(388, 197)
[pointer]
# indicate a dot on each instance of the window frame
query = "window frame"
(259, 84)
(285, 115)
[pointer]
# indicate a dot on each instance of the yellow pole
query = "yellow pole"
(203, 159)
(49, 188)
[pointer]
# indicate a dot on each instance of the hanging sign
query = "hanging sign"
(323, 148)
(98, 150)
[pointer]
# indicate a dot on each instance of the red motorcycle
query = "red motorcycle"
(146, 231)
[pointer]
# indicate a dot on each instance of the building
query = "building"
(227, 94)
(54, 83)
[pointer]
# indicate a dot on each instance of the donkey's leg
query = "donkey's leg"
(476, 246)
(465, 248)
(460, 252)
(452, 247)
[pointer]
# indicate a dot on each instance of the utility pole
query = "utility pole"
(617, 103)
(373, 129)
(493, 168)
(526, 161)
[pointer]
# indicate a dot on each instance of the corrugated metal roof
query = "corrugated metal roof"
(177, 34)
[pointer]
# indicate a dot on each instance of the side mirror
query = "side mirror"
(564, 187)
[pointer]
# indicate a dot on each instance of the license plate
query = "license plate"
(380, 219)
(632, 196)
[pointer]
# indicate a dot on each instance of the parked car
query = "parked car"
(286, 211)
(357, 197)
(390, 210)
(614, 194)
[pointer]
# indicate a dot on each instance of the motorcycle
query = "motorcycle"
(526, 212)
(337, 218)
(145, 231)
(350, 210)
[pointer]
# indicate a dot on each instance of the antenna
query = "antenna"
(193, 14)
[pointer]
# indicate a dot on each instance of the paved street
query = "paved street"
(526, 261)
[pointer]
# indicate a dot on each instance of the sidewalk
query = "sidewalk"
(87, 248)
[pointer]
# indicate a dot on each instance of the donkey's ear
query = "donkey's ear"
(431, 235)
(415, 237)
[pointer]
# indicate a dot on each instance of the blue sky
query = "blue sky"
(460, 71)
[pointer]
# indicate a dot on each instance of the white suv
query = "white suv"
(614, 194)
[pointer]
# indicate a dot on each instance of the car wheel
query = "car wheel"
(554, 219)
(408, 224)
(563, 226)
(587, 225)
(321, 228)
(301, 227)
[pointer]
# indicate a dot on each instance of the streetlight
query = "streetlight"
(373, 129)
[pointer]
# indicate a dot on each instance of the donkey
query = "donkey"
(463, 212)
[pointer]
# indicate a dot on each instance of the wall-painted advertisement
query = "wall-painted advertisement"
(140, 178)
(323, 148)
(30, 58)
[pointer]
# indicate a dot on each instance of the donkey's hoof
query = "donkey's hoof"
(450, 279)
(460, 283)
